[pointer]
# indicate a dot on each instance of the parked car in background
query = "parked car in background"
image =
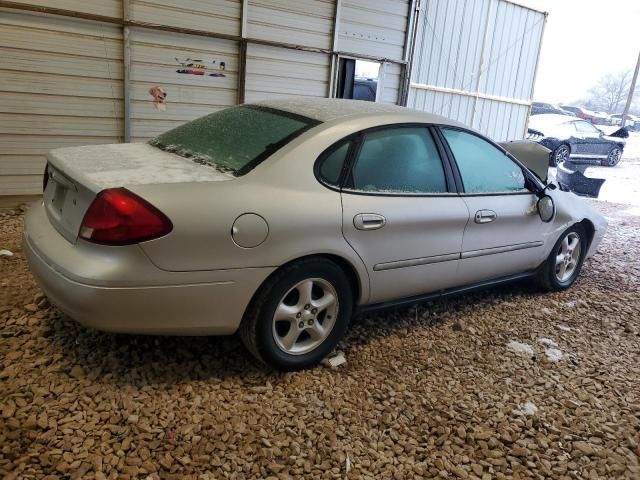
(601, 118)
(580, 112)
(632, 123)
(365, 89)
(576, 139)
(538, 108)
(279, 219)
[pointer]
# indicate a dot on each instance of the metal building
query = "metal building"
(80, 72)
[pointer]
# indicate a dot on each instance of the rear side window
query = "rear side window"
(332, 162)
(483, 167)
(399, 160)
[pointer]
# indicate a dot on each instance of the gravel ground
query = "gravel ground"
(509, 383)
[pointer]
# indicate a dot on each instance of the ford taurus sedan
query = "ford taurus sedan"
(279, 220)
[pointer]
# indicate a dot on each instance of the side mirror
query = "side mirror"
(546, 208)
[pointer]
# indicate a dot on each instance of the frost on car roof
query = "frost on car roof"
(549, 120)
(327, 109)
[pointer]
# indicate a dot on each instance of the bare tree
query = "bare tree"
(610, 93)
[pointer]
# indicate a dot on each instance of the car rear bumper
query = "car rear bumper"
(118, 289)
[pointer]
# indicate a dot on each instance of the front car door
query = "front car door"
(589, 141)
(504, 235)
(401, 212)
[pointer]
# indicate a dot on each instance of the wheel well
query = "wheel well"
(590, 229)
(345, 266)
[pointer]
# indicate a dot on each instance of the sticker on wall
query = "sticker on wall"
(196, 66)
(159, 98)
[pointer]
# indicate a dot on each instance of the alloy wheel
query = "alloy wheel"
(614, 157)
(568, 256)
(562, 154)
(305, 316)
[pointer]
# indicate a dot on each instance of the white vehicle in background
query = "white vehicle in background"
(632, 123)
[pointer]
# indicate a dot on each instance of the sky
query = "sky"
(583, 41)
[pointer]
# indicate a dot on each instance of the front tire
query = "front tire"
(560, 154)
(562, 267)
(298, 315)
(613, 157)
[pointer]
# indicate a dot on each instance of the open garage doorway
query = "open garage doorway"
(359, 79)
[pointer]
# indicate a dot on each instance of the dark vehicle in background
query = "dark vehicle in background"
(365, 89)
(580, 112)
(538, 108)
(571, 138)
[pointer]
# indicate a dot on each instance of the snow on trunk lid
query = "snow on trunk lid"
(77, 174)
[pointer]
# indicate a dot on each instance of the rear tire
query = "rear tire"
(298, 315)
(560, 154)
(562, 267)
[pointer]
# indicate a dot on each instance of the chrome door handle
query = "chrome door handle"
(369, 221)
(485, 216)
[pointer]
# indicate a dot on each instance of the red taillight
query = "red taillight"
(119, 217)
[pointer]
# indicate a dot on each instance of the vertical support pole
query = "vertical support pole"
(481, 65)
(126, 81)
(242, 52)
(334, 48)
(242, 70)
(632, 90)
(535, 75)
(409, 50)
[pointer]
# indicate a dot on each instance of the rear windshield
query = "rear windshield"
(235, 139)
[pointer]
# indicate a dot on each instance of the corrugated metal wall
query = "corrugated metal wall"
(62, 76)
(60, 85)
(274, 71)
(219, 16)
(153, 62)
(475, 61)
(378, 26)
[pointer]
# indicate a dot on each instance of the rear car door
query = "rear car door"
(401, 212)
(505, 234)
(589, 141)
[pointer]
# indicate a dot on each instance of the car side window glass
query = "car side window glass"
(483, 167)
(399, 160)
(584, 127)
(332, 163)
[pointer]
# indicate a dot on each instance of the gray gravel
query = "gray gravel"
(427, 391)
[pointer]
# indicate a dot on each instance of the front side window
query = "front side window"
(398, 160)
(235, 139)
(585, 127)
(483, 167)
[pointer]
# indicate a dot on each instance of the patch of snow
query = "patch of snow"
(520, 348)
(548, 342)
(124, 164)
(563, 327)
(571, 303)
(6, 253)
(553, 354)
(337, 360)
(528, 409)
(546, 311)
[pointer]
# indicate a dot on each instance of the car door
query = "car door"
(401, 212)
(589, 141)
(504, 235)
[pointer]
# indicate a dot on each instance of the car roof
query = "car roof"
(549, 119)
(328, 109)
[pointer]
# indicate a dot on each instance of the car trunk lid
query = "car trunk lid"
(77, 174)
